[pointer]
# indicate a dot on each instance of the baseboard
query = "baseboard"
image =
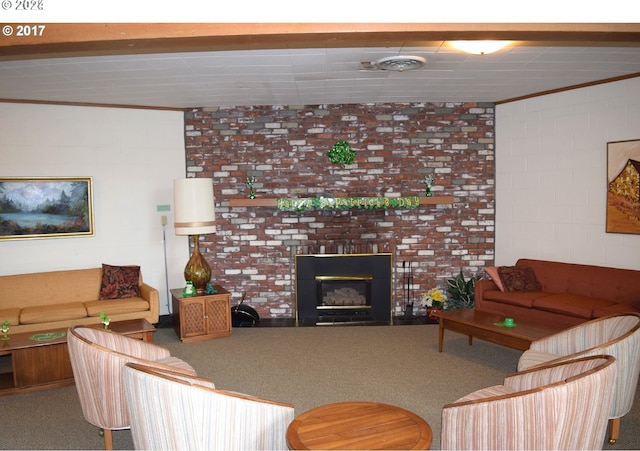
(166, 322)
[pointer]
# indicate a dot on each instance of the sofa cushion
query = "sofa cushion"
(571, 304)
(522, 299)
(48, 313)
(49, 288)
(11, 314)
(492, 272)
(120, 282)
(518, 278)
(618, 285)
(116, 306)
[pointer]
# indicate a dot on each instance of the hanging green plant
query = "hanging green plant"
(341, 154)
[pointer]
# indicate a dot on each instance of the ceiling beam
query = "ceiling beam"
(91, 39)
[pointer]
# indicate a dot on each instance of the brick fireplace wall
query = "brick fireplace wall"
(397, 145)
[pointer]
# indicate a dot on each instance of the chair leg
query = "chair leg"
(614, 430)
(108, 438)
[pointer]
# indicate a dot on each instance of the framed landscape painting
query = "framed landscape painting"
(45, 207)
(623, 187)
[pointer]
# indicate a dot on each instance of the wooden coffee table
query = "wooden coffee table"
(36, 365)
(359, 425)
(482, 325)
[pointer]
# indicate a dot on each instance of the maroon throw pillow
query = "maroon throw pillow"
(518, 278)
(120, 282)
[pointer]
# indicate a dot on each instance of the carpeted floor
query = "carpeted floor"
(307, 367)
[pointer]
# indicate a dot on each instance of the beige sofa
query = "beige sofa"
(61, 299)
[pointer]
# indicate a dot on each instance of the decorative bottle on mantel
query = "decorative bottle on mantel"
(428, 181)
(250, 181)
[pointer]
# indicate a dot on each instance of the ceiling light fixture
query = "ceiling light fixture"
(479, 47)
(400, 63)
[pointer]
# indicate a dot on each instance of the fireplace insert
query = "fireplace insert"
(339, 288)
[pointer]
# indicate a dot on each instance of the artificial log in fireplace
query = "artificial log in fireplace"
(343, 288)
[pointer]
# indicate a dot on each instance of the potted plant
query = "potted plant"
(5, 330)
(105, 320)
(461, 291)
(433, 300)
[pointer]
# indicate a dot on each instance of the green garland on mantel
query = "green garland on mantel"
(346, 203)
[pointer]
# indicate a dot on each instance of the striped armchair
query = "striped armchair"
(559, 406)
(616, 335)
(97, 357)
(170, 411)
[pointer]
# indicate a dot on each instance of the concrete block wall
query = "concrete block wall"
(397, 145)
(552, 173)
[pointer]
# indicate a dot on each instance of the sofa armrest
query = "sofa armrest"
(142, 350)
(565, 342)
(174, 373)
(151, 295)
(481, 287)
(555, 372)
(117, 343)
(586, 337)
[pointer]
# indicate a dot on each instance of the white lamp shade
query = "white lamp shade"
(194, 206)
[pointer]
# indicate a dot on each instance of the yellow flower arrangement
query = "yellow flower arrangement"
(433, 298)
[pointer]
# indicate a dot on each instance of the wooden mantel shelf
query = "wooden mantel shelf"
(271, 202)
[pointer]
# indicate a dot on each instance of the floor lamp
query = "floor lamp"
(195, 215)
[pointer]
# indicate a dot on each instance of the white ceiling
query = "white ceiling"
(311, 76)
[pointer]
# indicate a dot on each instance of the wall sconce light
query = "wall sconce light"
(479, 47)
(195, 215)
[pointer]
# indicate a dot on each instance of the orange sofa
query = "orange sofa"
(61, 299)
(562, 294)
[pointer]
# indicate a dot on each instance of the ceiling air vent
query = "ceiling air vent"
(400, 63)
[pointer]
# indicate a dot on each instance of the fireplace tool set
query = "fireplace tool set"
(407, 288)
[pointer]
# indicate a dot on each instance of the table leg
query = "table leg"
(440, 333)
(470, 340)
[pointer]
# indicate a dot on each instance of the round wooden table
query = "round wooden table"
(359, 425)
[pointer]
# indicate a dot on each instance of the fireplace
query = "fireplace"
(343, 288)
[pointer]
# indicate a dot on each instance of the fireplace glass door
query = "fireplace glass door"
(343, 292)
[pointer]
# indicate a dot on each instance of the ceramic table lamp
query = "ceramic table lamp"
(195, 216)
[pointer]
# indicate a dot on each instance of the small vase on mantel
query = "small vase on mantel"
(428, 181)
